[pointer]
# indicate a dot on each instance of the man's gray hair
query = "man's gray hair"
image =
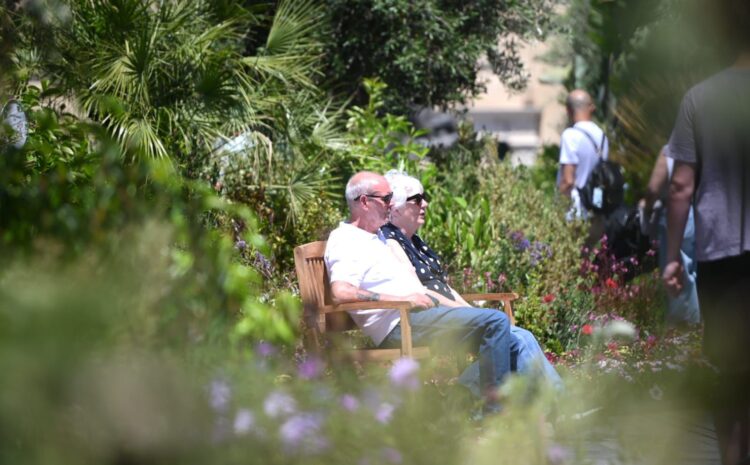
(357, 188)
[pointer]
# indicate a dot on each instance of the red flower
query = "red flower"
(548, 298)
(611, 283)
(587, 329)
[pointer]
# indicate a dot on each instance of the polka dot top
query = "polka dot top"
(426, 262)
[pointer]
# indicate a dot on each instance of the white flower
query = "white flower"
(655, 392)
(243, 421)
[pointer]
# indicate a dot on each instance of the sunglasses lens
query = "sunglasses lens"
(418, 198)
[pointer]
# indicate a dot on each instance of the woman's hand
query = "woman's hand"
(420, 300)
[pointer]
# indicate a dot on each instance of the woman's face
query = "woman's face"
(411, 215)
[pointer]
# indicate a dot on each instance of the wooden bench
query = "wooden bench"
(321, 317)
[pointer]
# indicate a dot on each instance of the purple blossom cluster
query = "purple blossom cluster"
(404, 374)
(263, 264)
(538, 251)
(303, 433)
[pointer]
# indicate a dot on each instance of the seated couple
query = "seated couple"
(370, 258)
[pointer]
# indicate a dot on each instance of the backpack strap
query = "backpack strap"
(599, 148)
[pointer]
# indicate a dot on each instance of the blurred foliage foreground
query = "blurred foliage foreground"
(133, 298)
(129, 334)
(91, 375)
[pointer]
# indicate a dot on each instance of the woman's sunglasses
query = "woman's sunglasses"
(418, 198)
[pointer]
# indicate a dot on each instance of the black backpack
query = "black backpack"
(605, 186)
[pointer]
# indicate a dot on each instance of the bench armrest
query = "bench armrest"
(369, 305)
(505, 297)
(407, 349)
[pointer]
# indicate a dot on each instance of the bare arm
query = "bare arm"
(678, 207)
(567, 179)
(657, 184)
(344, 292)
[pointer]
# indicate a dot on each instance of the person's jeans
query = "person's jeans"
(526, 356)
(684, 308)
(480, 330)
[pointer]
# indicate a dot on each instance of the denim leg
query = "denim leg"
(480, 330)
(527, 356)
(530, 356)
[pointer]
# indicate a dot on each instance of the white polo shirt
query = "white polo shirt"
(364, 260)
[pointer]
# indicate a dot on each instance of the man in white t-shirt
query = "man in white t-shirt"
(361, 267)
(579, 148)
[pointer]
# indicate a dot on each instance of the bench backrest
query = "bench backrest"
(315, 289)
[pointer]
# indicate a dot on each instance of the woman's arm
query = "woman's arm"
(399, 253)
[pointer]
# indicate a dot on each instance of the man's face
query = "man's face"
(379, 201)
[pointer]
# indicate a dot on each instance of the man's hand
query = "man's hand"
(673, 276)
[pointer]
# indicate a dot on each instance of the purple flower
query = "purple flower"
(405, 374)
(279, 404)
(384, 412)
(240, 245)
(265, 349)
(263, 264)
(516, 236)
(310, 368)
(392, 455)
(349, 402)
(220, 394)
(302, 433)
(244, 421)
(557, 454)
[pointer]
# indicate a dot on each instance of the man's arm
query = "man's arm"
(678, 208)
(567, 179)
(658, 182)
(344, 292)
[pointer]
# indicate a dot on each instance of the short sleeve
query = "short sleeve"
(568, 148)
(342, 263)
(682, 141)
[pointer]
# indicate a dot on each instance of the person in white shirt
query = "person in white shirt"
(580, 145)
(361, 267)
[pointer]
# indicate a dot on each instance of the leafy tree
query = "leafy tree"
(428, 52)
(170, 78)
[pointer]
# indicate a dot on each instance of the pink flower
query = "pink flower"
(587, 330)
(611, 283)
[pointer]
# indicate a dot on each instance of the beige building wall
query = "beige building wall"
(528, 119)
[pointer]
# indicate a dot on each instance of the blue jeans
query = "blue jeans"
(684, 308)
(526, 356)
(480, 330)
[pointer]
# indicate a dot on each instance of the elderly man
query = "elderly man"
(580, 147)
(362, 267)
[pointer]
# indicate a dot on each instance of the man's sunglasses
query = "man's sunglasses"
(385, 198)
(418, 198)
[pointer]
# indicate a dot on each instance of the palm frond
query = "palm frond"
(293, 27)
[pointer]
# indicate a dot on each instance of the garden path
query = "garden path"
(660, 437)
